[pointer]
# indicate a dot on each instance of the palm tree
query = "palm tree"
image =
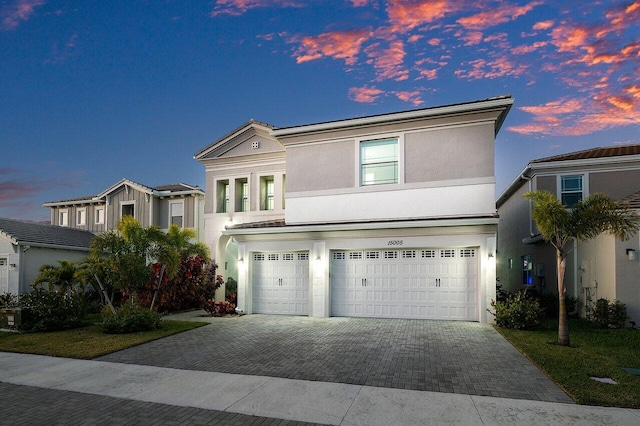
(584, 221)
(62, 277)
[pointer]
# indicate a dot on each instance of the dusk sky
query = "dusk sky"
(95, 91)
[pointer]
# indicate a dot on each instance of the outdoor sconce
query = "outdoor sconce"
(631, 254)
(490, 255)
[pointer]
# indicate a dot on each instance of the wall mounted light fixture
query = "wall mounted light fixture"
(631, 254)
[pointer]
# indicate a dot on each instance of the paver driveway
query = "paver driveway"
(442, 356)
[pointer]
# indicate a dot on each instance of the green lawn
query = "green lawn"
(594, 352)
(87, 342)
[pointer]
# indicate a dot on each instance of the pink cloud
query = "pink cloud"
(360, 3)
(364, 94)
(499, 67)
(388, 62)
(15, 12)
(543, 25)
(336, 44)
(429, 74)
(521, 50)
(499, 15)
(413, 97)
(239, 7)
(406, 15)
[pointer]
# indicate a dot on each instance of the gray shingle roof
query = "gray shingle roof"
(37, 233)
(633, 200)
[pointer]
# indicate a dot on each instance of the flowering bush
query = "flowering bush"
(195, 282)
(52, 310)
(219, 308)
(518, 311)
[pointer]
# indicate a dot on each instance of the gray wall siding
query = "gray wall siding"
(116, 200)
(322, 166)
(547, 183)
(447, 154)
(617, 184)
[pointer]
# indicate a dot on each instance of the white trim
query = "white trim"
(60, 221)
(172, 203)
(82, 210)
(399, 137)
(128, 203)
(95, 219)
(365, 226)
(484, 105)
(585, 183)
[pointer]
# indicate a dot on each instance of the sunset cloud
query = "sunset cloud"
(499, 67)
(15, 12)
(406, 15)
(344, 45)
(543, 25)
(498, 15)
(238, 7)
(364, 94)
(413, 97)
(388, 62)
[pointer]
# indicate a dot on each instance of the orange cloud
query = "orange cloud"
(406, 15)
(543, 25)
(15, 12)
(413, 97)
(388, 63)
(521, 50)
(498, 67)
(429, 74)
(365, 94)
(337, 44)
(360, 3)
(238, 7)
(498, 15)
(471, 38)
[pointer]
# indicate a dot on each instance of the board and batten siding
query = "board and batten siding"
(141, 210)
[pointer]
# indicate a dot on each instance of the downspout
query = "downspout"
(530, 184)
(575, 276)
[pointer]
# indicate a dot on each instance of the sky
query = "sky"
(95, 91)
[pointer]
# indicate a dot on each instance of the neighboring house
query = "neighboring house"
(390, 215)
(178, 204)
(25, 246)
(604, 267)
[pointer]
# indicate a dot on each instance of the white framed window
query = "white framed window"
(379, 162)
(242, 195)
(81, 216)
(127, 208)
(63, 217)
(222, 196)
(176, 213)
(99, 216)
(571, 189)
(267, 193)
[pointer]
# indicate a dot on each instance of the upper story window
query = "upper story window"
(222, 194)
(127, 210)
(99, 215)
(63, 217)
(176, 214)
(379, 162)
(242, 195)
(81, 217)
(267, 193)
(571, 189)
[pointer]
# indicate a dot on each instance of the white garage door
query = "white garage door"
(4, 276)
(281, 283)
(415, 283)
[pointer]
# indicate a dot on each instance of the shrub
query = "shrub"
(8, 300)
(52, 310)
(231, 290)
(518, 312)
(609, 314)
(219, 308)
(129, 318)
(195, 283)
(549, 302)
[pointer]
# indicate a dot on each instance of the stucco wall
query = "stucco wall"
(321, 166)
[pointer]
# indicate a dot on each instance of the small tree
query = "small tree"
(585, 220)
(62, 277)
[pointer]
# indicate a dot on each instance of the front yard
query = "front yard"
(87, 342)
(594, 352)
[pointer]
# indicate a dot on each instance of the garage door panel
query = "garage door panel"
(281, 283)
(415, 283)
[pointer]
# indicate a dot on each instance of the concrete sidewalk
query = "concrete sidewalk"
(297, 400)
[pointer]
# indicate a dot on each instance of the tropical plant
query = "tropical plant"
(585, 220)
(52, 310)
(129, 318)
(62, 277)
(518, 311)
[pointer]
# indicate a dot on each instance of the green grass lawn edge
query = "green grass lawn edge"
(594, 352)
(87, 342)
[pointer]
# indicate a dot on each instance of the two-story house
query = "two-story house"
(603, 267)
(390, 215)
(178, 204)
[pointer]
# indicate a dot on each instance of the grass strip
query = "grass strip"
(594, 352)
(87, 342)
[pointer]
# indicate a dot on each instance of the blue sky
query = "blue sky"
(91, 92)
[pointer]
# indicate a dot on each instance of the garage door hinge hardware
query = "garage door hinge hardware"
(364, 282)
(280, 281)
(437, 282)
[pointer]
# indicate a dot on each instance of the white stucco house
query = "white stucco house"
(389, 216)
(25, 246)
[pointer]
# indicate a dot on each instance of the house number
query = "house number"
(395, 243)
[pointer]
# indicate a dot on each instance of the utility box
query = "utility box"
(13, 318)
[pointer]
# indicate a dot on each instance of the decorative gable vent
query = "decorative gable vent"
(255, 144)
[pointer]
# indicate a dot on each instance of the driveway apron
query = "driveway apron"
(441, 356)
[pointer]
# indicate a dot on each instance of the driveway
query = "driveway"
(441, 356)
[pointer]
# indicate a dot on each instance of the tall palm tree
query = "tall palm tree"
(585, 220)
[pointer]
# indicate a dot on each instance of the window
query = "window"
(99, 215)
(128, 210)
(570, 189)
(268, 194)
(223, 196)
(63, 217)
(242, 195)
(176, 214)
(379, 162)
(81, 217)
(527, 266)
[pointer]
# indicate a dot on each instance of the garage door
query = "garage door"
(439, 283)
(281, 283)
